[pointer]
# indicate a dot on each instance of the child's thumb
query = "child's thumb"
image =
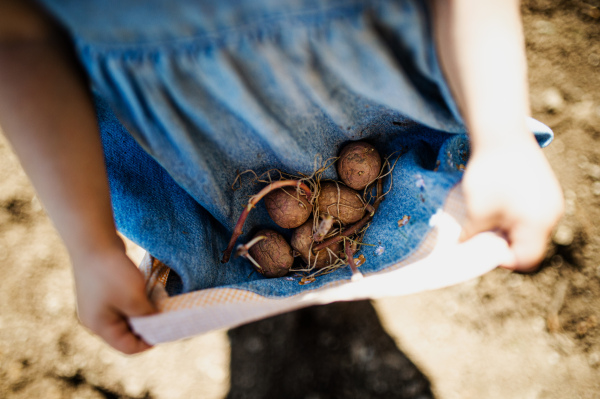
(528, 244)
(473, 226)
(137, 304)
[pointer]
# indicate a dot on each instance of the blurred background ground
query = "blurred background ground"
(502, 335)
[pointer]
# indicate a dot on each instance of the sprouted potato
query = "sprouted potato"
(287, 207)
(272, 254)
(302, 241)
(341, 202)
(359, 165)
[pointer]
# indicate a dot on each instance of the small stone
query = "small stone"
(594, 59)
(360, 353)
(582, 328)
(563, 235)
(542, 26)
(594, 359)
(554, 358)
(557, 261)
(253, 345)
(552, 100)
(553, 323)
(515, 280)
(594, 171)
(36, 205)
(569, 206)
(53, 304)
(596, 188)
(132, 386)
(538, 324)
(570, 195)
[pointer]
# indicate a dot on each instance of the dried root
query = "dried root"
(237, 231)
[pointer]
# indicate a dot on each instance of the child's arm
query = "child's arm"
(47, 114)
(509, 186)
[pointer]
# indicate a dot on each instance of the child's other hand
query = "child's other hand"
(511, 188)
(110, 289)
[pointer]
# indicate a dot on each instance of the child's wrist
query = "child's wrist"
(493, 140)
(92, 247)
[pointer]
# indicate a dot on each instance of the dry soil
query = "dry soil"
(502, 335)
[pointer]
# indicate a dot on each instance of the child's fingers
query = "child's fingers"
(135, 303)
(475, 225)
(528, 244)
(110, 290)
(527, 240)
(119, 335)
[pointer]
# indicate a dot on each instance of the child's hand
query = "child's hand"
(48, 115)
(110, 289)
(508, 184)
(513, 190)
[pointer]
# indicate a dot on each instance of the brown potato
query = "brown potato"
(287, 208)
(273, 254)
(301, 242)
(359, 164)
(350, 206)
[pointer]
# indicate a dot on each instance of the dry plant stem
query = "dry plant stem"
(237, 231)
(323, 228)
(552, 320)
(380, 195)
(346, 233)
(350, 258)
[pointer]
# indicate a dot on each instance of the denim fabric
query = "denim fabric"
(203, 90)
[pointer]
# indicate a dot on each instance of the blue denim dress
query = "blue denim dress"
(190, 93)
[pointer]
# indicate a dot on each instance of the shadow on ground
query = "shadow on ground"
(333, 351)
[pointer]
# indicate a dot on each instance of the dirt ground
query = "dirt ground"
(502, 335)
